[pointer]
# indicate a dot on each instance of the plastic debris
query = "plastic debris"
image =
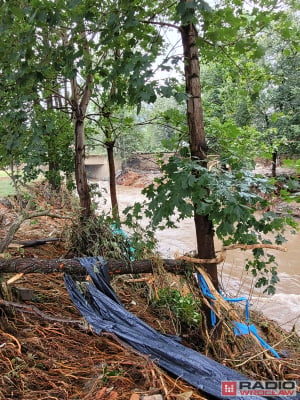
(102, 309)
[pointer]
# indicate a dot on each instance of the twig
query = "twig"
(15, 340)
(34, 310)
(166, 392)
(264, 351)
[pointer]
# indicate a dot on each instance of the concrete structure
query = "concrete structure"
(97, 166)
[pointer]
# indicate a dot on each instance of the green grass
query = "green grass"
(6, 187)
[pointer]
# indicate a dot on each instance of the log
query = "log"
(73, 267)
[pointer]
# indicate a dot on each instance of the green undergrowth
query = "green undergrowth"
(185, 310)
(102, 236)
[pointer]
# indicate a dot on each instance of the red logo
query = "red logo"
(229, 388)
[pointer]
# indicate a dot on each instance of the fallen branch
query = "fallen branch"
(194, 260)
(37, 242)
(222, 257)
(34, 310)
(73, 266)
(20, 219)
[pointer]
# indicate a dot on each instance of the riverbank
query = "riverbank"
(47, 351)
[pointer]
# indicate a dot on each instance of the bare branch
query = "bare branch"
(18, 222)
(255, 246)
(34, 310)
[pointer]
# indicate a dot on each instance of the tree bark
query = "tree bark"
(79, 110)
(198, 146)
(80, 172)
(53, 167)
(274, 163)
(112, 179)
(73, 266)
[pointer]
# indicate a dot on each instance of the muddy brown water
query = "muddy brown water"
(283, 307)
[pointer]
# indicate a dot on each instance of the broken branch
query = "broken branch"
(18, 222)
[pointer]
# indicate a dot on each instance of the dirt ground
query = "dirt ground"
(47, 351)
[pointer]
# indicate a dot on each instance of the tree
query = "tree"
(221, 202)
(197, 139)
(43, 137)
(278, 102)
(67, 47)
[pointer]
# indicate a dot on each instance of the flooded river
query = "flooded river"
(283, 307)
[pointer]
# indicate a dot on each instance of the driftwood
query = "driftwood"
(31, 309)
(73, 266)
(220, 259)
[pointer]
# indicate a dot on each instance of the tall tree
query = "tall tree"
(197, 139)
(221, 202)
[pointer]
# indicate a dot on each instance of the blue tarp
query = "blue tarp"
(104, 312)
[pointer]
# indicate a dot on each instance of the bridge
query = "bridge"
(97, 166)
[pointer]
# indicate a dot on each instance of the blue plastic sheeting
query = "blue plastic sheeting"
(206, 292)
(239, 327)
(243, 329)
(119, 231)
(104, 312)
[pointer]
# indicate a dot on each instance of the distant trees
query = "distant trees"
(278, 101)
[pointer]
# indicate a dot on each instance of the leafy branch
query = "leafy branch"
(235, 201)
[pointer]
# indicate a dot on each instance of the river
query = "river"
(283, 307)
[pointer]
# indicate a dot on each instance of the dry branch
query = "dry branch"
(19, 221)
(222, 257)
(73, 266)
(34, 310)
(255, 246)
(37, 242)
(202, 260)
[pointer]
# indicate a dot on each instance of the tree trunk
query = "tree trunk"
(53, 167)
(198, 146)
(53, 173)
(80, 172)
(79, 106)
(73, 266)
(274, 163)
(112, 179)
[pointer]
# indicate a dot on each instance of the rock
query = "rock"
(185, 395)
(153, 397)
(7, 203)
